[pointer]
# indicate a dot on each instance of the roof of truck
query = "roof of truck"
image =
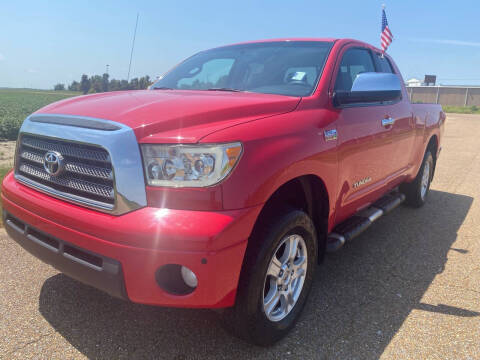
(282, 39)
(343, 40)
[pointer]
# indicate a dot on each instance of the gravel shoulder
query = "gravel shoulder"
(407, 288)
(7, 152)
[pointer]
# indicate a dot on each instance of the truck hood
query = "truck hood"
(173, 116)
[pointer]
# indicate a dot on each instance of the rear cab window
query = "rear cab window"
(383, 64)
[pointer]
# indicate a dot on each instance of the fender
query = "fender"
(427, 125)
(291, 149)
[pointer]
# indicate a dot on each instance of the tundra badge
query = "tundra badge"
(362, 182)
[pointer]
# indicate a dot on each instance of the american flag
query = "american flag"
(386, 36)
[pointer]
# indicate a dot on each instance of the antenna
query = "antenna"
(133, 44)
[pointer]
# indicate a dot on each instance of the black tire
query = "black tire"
(247, 319)
(415, 197)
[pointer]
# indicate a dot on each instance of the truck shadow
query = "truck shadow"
(360, 298)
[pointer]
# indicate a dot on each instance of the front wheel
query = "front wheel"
(416, 192)
(276, 278)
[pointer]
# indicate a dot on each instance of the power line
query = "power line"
(133, 44)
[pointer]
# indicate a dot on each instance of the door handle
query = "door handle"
(388, 122)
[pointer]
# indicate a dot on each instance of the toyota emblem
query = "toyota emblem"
(53, 163)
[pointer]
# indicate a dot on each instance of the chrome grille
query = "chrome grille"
(87, 174)
(84, 152)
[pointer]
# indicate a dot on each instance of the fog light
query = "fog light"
(176, 279)
(189, 277)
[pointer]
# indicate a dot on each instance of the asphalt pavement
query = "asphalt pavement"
(408, 288)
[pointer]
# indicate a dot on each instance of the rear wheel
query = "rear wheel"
(416, 192)
(276, 278)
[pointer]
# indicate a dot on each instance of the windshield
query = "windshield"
(285, 68)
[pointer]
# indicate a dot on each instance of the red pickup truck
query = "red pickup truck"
(225, 183)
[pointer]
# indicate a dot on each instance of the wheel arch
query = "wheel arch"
(307, 193)
(433, 147)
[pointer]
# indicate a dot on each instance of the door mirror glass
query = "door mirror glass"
(371, 87)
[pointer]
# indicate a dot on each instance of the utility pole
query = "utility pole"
(107, 68)
(133, 44)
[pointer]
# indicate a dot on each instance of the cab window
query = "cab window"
(383, 64)
(354, 61)
(213, 73)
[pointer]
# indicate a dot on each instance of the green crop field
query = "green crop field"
(17, 104)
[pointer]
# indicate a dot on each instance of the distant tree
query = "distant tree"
(97, 83)
(124, 85)
(74, 86)
(105, 83)
(59, 87)
(134, 84)
(114, 85)
(144, 82)
(85, 84)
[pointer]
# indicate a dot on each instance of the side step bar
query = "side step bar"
(361, 221)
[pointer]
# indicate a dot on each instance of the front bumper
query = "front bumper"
(90, 268)
(133, 246)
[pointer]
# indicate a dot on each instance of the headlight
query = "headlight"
(189, 165)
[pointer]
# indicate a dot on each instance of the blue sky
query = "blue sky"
(46, 42)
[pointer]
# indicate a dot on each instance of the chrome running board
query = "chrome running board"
(361, 221)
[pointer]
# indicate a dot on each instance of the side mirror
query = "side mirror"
(371, 88)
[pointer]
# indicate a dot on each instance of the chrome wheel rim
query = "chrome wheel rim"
(285, 277)
(425, 179)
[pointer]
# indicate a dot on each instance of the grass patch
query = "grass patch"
(4, 170)
(461, 109)
(17, 104)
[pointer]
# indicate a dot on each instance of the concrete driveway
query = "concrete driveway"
(408, 288)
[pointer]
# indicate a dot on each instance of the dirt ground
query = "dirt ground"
(7, 151)
(407, 288)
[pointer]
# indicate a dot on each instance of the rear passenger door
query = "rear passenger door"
(364, 144)
(402, 130)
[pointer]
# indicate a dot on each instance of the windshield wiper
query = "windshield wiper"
(224, 89)
(162, 88)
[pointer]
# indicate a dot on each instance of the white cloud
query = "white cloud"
(2, 57)
(32, 71)
(448, 42)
